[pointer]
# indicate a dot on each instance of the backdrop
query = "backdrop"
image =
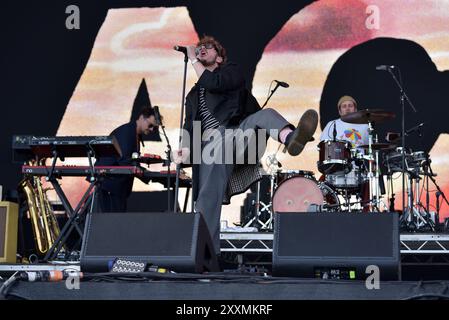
(82, 70)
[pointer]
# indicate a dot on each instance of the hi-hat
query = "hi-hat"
(368, 115)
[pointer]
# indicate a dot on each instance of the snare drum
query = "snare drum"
(301, 194)
(334, 156)
(351, 180)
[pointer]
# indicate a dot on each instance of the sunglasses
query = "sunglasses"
(206, 46)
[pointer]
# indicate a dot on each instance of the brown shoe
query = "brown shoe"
(303, 133)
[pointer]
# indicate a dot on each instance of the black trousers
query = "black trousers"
(109, 202)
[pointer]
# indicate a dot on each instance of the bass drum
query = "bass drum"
(287, 174)
(301, 194)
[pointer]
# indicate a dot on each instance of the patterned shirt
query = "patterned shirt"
(208, 121)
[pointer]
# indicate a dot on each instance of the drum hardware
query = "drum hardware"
(259, 206)
(351, 180)
(259, 209)
(393, 160)
(342, 168)
(381, 146)
(392, 198)
(416, 215)
(370, 117)
(292, 190)
(334, 156)
(424, 161)
(371, 158)
(300, 193)
(402, 97)
(262, 215)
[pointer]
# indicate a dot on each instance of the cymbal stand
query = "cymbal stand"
(269, 224)
(370, 159)
(259, 206)
(273, 167)
(377, 178)
(415, 218)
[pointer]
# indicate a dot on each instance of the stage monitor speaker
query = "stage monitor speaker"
(8, 231)
(155, 201)
(336, 245)
(177, 241)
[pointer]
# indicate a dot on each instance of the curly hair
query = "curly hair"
(217, 45)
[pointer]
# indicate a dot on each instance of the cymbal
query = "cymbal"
(379, 146)
(368, 115)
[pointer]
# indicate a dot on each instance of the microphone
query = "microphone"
(180, 49)
(282, 84)
(335, 130)
(384, 67)
(157, 115)
(415, 128)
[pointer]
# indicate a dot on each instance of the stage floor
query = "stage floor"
(246, 263)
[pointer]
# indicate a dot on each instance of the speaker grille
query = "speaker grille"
(340, 245)
(336, 235)
(136, 236)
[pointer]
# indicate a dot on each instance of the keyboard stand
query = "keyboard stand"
(85, 205)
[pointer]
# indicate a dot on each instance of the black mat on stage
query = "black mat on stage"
(253, 288)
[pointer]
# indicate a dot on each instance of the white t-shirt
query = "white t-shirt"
(356, 134)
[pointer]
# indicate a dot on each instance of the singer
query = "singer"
(115, 190)
(220, 101)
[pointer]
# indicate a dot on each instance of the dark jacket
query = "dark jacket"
(229, 102)
(127, 139)
(226, 97)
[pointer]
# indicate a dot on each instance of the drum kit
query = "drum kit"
(351, 180)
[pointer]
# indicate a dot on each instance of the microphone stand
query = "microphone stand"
(268, 98)
(168, 153)
(178, 166)
(403, 97)
(334, 133)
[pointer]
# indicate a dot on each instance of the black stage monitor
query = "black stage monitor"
(336, 245)
(177, 241)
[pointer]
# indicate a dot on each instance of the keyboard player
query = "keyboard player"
(115, 190)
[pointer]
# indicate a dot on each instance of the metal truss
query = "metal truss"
(263, 242)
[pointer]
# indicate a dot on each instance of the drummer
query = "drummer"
(356, 134)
